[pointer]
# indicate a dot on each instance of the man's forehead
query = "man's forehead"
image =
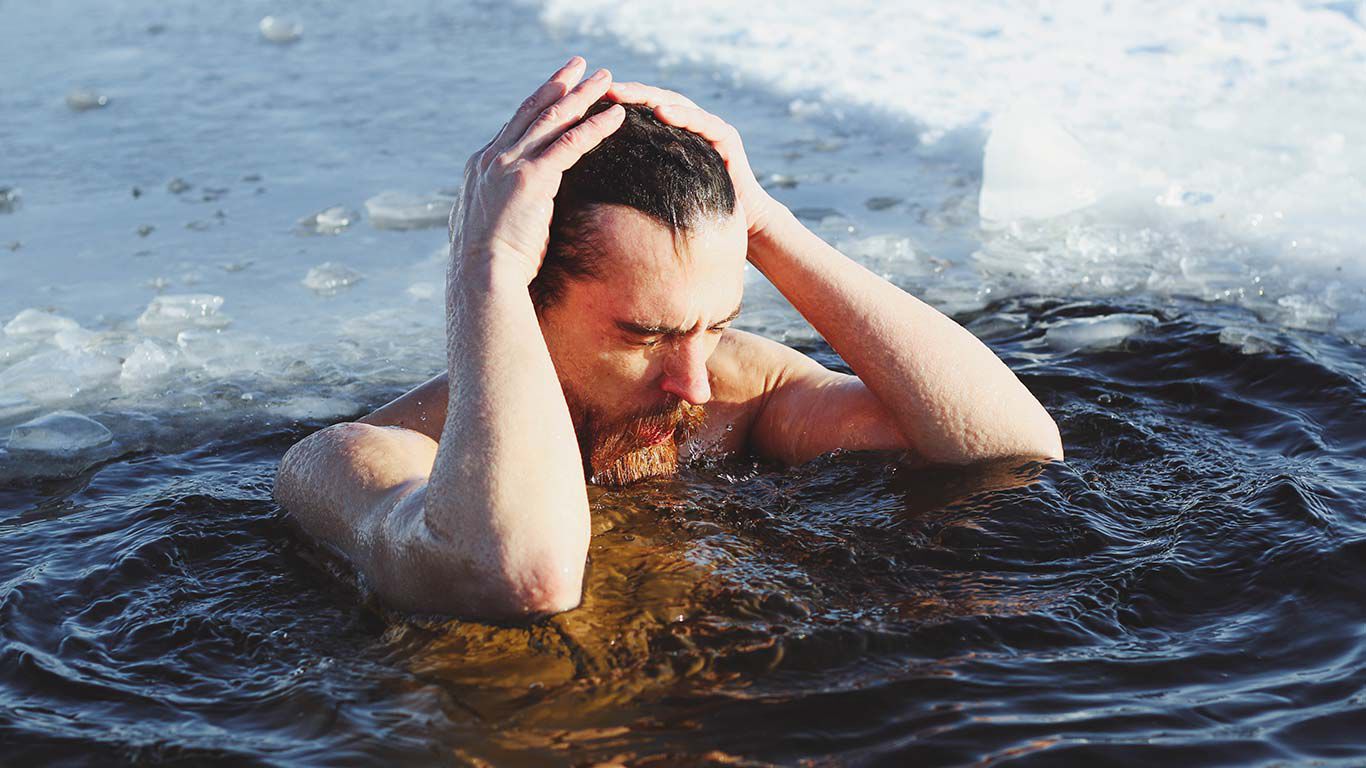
(649, 277)
(629, 239)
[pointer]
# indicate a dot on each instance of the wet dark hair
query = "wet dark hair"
(672, 175)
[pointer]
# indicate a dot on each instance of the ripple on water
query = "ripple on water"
(1189, 579)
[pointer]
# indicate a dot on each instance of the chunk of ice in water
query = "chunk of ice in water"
(82, 99)
(328, 278)
(1033, 168)
(403, 210)
(149, 361)
(329, 222)
(57, 374)
(169, 315)
(38, 325)
(1097, 332)
(59, 434)
(280, 30)
(1247, 341)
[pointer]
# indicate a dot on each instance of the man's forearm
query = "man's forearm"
(952, 398)
(507, 484)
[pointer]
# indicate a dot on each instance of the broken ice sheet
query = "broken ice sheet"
(56, 374)
(171, 314)
(280, 30)
(328, 278)
(60, 433)
(38, 324)
(404, 210)
(331, 221)
(1097, 332)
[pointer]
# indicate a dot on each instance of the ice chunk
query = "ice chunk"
(149, 361)
(403, 210)
(178, 186)
(1247, 341)
(329, 222)
(38, 325)
(1097, 332)
(76, 339)
(169, 315)
(998, 325)
(1033, 168)
(82, 99)
(60, 434)
(58, 375)
(328, 278)
(9, 199)
(280, 30)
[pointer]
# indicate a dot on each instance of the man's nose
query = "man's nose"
(685, 373)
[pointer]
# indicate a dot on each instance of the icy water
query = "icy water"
(1186, 587)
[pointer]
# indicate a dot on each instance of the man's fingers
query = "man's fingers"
(650, 96)
(554, 119)
(577, 141)
(550, 91)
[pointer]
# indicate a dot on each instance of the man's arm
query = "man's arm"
(492, 521)
(947, 394)
(950, 396)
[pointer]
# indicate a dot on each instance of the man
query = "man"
(587, 334)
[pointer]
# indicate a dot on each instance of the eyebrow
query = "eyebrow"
(642, 329)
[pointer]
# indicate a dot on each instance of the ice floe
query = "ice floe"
(38, 324)
(60, 434)
(405, 210)
(327, 279)
(331, 221)
(171, 314)
(280, 30)
(9, 199)
(1092, 333)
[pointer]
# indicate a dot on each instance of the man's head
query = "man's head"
(644, 268)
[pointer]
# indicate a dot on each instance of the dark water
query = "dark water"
(1187, 587)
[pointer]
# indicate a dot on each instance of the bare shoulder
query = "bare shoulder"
(789, 407)
(744, 372)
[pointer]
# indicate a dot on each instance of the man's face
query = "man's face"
(631, 347)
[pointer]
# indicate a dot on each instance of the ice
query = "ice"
(9, 199)
(37, 324)
(1247, 341)
(149, 361)
(1033, 169)
(169, 315)
(327, 279)
(1091, 333)
(280, 30)
(332, 221)
(59, 434)
(55, 375)
(82, 99)
(404, 210)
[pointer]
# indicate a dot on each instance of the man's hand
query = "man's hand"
(503, 218)
(677, 110)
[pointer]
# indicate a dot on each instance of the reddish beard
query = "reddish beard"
(629, 448)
